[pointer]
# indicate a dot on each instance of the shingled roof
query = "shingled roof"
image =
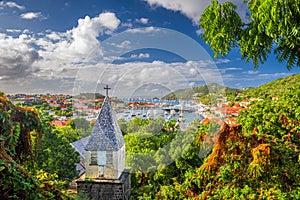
(79, 145)
(106, 134)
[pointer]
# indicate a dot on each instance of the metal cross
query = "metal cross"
(106, 88)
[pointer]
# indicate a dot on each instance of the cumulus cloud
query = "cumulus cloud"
(131, 78)
(16, 58)
(190, 8)
(194, 8)
(32, 15)
(10, 4)
(144, 55)
(143, 20)
(80, 42)
(58, 54)
(54, 36)
(61, 54)
(141, 55)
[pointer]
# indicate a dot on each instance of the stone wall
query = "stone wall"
(104, 189)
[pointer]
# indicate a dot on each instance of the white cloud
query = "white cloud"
(127, 24)
(58, 54)
(143, 20)
(141, 55)
(13, 30)
(242, 9)
(252, 72)
(61, 54)
(199, 31)
(108, 20)
(80, 42)
(193, 71)
(32, 15)
(54, 36)
(144, 55)
(16, 58)
(10, 4)
(125, 44)
(149, 29)
(190, 8)
(26, 31)
(133, 77)
(192, 84)
(194, 8)
(275, 75)
(233, 69)
(113, 78)
(221, 61)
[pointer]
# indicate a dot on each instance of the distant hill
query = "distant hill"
(275, 88)
(207, 93)
(89, 95)
(202, 93)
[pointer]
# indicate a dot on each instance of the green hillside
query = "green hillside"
(208, 93)
(275, 88)
(202, 93)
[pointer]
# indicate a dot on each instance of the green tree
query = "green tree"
(57, 156)
(67, 133)
(19, 176)
(79, 123)
(161, 157)
(82, 126)
(273, 27)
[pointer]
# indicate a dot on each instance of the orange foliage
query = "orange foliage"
(260, 154)
(217, 157)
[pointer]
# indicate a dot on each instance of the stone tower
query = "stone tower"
(105, 173)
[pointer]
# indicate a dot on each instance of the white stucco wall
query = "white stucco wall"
(119, 160)
(91, 171)
(114, 165)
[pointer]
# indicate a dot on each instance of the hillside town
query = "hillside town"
(64, 107)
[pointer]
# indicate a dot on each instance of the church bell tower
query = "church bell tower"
(105, 173)
(105, 150)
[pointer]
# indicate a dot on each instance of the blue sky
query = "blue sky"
(138, 47)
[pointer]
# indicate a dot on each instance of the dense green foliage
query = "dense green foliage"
(273, 27)
(258, 159)
(81, 126)
(26, 138)
(57, 155)
(160, 158)
(275, 88)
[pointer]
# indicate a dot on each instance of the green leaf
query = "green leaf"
(2, 168)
